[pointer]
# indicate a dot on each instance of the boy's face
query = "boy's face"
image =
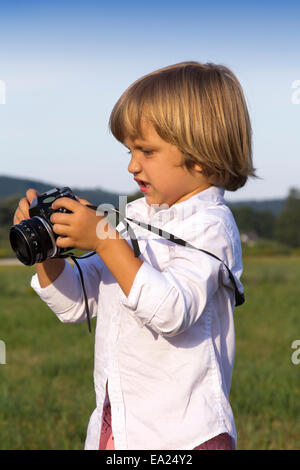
(155, 165)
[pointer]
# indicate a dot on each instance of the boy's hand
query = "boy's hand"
(84, 202)
(78, 229)
(22, 211)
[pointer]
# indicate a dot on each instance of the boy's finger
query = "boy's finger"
(84, 202)
(31, 194)
(23, 208)
(24, 205)
(66, 203)
(18, 217)
(63, 242)
(60, 218)
(61, 229)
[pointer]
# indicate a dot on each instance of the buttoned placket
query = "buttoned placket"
(114, 381)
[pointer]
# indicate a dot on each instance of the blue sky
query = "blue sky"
(65, 64)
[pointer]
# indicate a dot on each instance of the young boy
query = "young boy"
(164, 345)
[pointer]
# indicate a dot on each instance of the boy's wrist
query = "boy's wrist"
(105, 234)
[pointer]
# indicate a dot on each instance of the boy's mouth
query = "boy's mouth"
(144, 185)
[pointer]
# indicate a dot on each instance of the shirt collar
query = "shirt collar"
(140, 208)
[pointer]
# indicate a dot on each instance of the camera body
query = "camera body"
(33, 240)
(41, 205)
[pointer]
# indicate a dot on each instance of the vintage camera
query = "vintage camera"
(33, 240)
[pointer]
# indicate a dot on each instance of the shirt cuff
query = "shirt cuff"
(60, 295)
(148, 291)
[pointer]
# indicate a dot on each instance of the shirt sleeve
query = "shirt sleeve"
(65, 295)
(172, 300)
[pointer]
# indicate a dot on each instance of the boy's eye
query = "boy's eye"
(147, 152)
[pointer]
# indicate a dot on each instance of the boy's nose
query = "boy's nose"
(134, 165)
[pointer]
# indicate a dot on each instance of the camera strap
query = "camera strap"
(239, 296)
(75, 258)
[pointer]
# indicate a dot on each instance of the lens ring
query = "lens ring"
(33, 241)
(50, 233)
(21, 246)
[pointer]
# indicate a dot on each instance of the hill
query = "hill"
(272, 205)
(10, 186)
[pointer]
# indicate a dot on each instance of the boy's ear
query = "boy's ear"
(197, 168)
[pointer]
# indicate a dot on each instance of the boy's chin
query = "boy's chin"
(152, 200)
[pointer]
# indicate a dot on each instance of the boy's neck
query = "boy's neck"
(199, 189)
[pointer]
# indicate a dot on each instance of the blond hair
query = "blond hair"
(199, 108)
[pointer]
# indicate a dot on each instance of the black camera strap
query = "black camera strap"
(239, 296)
(75, 258)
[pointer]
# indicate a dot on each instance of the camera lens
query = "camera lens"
(33, 241)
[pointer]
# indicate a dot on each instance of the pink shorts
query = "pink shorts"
(220, 442)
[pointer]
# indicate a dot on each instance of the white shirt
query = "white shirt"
(167, 350)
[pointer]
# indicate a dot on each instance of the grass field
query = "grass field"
(46, 385)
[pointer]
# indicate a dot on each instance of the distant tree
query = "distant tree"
(250, 220)
(7, 209)
(287, 225)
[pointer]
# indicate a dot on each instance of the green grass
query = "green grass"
(266, 384)
(46, 387)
